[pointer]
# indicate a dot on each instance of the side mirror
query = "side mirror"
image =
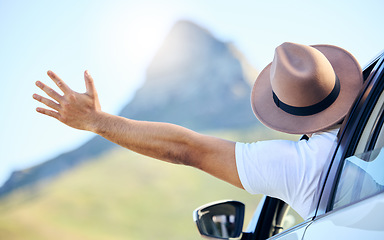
(222, 220)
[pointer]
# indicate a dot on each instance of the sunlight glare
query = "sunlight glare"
(139, 37)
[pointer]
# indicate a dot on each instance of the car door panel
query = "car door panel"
(362, 220)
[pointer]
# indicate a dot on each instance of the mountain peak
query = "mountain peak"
(196, 81)
(185, 43)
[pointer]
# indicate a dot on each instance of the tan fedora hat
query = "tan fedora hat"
(306, 89)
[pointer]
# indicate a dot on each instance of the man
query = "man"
(305, 90)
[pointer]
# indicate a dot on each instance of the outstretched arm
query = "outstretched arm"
(164, 141)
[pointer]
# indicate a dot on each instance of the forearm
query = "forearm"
(172, 143)
(164, 141)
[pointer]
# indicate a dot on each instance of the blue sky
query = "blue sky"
(116, 39)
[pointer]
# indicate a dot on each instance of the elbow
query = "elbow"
(187, 157)
(190, 150)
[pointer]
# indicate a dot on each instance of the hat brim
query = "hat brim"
(349, 73)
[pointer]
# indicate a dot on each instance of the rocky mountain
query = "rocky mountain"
(194, 80)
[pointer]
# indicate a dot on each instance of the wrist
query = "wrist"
(98, 123)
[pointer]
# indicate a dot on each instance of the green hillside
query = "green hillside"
(120, 195)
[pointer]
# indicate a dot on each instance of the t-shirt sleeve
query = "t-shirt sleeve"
(268, 167)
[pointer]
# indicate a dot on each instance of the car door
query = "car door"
(352, 200)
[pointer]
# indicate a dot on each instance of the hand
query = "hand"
(77, 110)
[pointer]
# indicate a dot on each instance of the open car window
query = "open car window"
(362, 177)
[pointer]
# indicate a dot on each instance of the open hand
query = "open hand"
(77, 110)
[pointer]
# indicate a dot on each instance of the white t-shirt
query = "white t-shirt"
(286, 170)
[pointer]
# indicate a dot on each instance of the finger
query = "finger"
(89, 84)
(49, 91)
(60, 83)
(47, 102)
(49, 113)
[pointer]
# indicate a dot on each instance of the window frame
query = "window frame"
(351, 130)
(376, 130)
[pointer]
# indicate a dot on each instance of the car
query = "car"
(350, 193)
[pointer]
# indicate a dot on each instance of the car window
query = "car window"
(362, 173)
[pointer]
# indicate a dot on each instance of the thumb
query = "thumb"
(89, 84)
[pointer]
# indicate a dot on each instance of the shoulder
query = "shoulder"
(319, 144)
(320, 139)
(327, 135)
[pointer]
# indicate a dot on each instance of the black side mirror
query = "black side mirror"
(222, 220)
